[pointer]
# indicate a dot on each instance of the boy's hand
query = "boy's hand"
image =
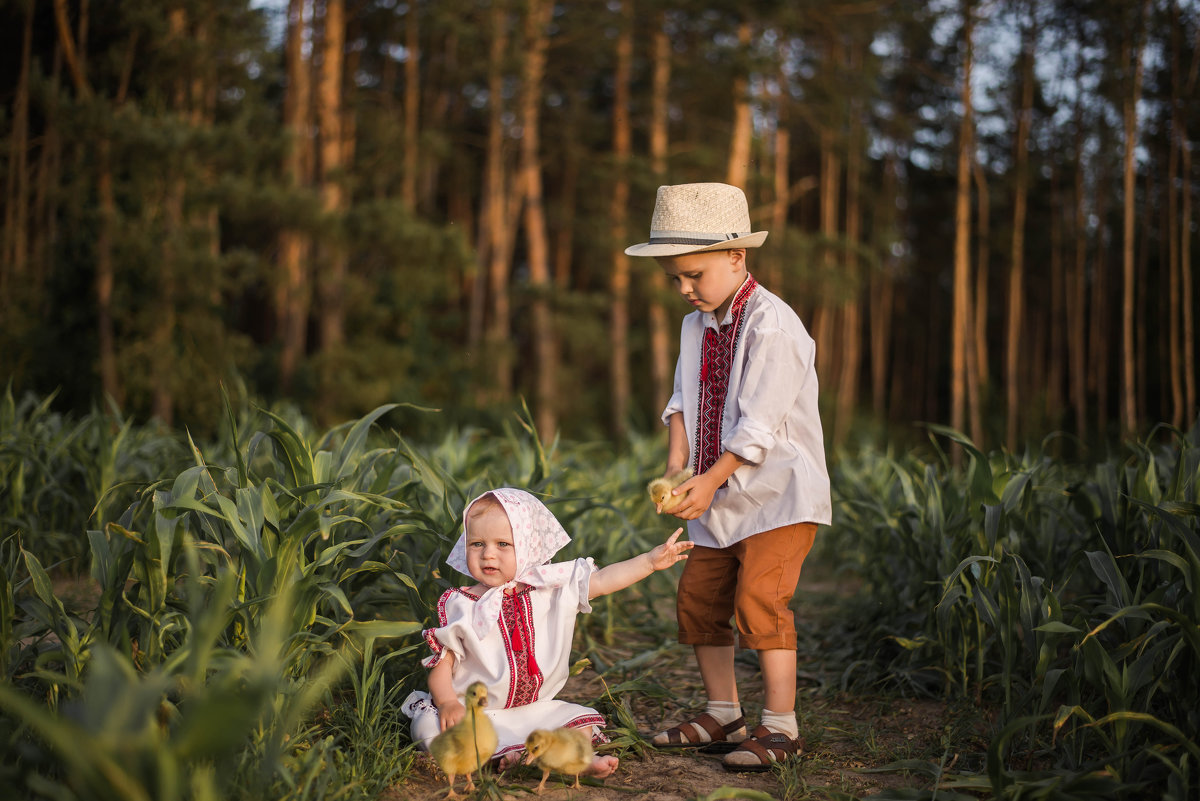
(700, 491)
(450, 713)
(670, 552)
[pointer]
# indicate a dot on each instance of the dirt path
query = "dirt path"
(844, 739)
(845, 736)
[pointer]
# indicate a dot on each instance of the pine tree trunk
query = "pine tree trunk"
(1077, 300)
(496, 234)
(1186, 287)
(882, 290)
(1187, 290)
(977, 364)
(293, 287)
(823, 316)
(781, 200)
(568, 192)
(1132, 62)
(661, 374)
(545, 334)
(45, 224)
(1016, 275)
(851, 338)
(618, 218)
(1053, 381)
(333, 264)
(1175, 365)
(961, 325)
(15, 254)
(1103, 351)
(739, 145)
(1141, 295)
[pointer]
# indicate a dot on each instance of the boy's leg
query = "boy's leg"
(770, 572)
(704, 609)
(779, 679)
(716, 671)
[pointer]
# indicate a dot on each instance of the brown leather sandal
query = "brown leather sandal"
(687, 734)
(760, 750)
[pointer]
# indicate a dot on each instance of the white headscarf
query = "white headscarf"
(537, 536)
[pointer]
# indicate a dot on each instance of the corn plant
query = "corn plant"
(58, 474)
(1063, 593)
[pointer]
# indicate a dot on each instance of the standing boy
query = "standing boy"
(743, 416)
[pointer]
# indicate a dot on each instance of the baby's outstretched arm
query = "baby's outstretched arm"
(620, 575)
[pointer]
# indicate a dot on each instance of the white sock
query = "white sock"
(724, 711)
(781, 723)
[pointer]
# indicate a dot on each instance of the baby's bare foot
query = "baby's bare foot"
(603, 766)
(511, 759)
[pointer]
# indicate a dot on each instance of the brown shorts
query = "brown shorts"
(751, 581)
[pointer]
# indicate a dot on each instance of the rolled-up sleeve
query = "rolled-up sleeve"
(773, 369)
(676, 403)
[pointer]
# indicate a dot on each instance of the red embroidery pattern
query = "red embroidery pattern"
(434, 644)
(587, 721)
(516, 626)
(716, 361)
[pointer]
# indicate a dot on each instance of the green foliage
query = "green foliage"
(1066, 594)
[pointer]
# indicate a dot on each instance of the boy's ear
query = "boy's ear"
(737, 257)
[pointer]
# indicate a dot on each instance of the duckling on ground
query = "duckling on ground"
(567, 750)
(468, 744)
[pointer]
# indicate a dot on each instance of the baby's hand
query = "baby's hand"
(670, 552)
(450, 713)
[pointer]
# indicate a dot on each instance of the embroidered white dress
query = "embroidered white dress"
(524, 661)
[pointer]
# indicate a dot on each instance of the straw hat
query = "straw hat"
(691, 218)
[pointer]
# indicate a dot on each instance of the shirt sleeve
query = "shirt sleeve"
(447, 637)
(675, 404)
(581, 583)
(776, 365)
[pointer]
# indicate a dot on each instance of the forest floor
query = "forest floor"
(852, 743)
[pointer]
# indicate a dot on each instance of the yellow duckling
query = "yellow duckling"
(660, 490)
(468, 744)
(567, 750)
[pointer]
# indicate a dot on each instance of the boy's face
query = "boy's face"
(707, 280)
(491, 558)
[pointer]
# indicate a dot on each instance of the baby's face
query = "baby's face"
(491, 558)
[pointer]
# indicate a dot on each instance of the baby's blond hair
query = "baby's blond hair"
(483, 505)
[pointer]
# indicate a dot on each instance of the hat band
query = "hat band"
(690, 238)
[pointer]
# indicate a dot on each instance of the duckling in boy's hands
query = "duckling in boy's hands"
(660, 490)
(465, 746)
(566, 750)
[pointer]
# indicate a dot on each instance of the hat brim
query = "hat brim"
(652, 250)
